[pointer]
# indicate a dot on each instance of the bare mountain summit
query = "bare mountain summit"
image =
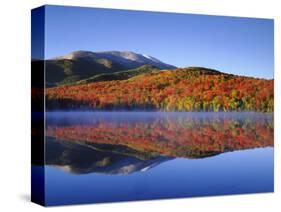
(79, 65)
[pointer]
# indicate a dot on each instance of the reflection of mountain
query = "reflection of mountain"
(81, 159)
(181, 136)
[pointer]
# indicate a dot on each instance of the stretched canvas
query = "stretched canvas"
(137, 105)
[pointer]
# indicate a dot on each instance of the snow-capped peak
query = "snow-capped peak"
(147, 56)
(125, 58)
(150, 58)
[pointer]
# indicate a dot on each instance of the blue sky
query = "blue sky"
(243, 46)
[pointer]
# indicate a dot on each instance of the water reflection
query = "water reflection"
(81, 159)
(126, 142)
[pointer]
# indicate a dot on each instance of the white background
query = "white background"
(15, 104)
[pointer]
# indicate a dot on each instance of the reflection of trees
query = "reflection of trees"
(181, 137)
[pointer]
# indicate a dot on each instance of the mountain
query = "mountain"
(79, 65)
(182, 89)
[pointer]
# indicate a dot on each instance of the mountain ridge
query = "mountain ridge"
(115, 55)
(79, 65)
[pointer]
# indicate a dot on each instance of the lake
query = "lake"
(96, 157)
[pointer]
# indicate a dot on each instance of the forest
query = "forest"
(182, 89)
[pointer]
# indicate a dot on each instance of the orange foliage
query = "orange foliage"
(170, 90)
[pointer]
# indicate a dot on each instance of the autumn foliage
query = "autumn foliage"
(184, 89)
(187, 137)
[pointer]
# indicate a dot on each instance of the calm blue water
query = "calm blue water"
(89, 169)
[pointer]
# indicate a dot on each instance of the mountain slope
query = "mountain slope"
(185, 89)
(121, 75)
(80, 65)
